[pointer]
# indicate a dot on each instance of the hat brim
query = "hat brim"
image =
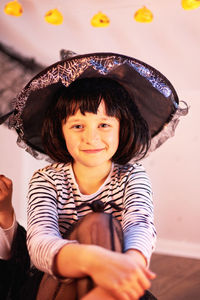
(152, 92)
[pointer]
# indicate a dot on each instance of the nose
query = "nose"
(90, 135)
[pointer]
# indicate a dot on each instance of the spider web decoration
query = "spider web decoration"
(16, 71)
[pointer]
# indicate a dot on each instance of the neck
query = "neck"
(89, 179)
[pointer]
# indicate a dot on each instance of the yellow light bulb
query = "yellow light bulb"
(190, 4)
(100, 20)
(54, 17)
(143, 15)
(13, 8)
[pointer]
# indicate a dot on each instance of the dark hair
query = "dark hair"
(86, 94)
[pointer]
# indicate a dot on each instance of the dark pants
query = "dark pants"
(15, 271)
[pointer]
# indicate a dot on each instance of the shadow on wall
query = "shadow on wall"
(15, 73)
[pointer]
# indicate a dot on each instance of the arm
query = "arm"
(8, 222)
(138, 215)
(43, 236)
(6, 209)
(115, 274)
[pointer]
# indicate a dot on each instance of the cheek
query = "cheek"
(114, 139)
(116, 134)
(69, 141)
(70, 144)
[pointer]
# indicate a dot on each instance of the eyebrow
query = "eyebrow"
(80, 120)
(73, 120)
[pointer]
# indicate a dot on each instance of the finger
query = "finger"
(151, 275)
(138, 289)
(7, 181)
(133, 288)
(144, 277)
(3, 186)
(143, 280)
(135, 292)
(123, 295)
(119, 293)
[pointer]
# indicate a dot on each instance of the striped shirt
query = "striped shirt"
(54, 204)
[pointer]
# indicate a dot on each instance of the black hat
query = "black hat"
(152, 92)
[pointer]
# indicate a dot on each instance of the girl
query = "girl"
(89, 129)
(94, 116)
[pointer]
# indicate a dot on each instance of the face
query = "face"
(91, 139)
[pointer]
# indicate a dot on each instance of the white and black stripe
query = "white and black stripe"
(54, 204)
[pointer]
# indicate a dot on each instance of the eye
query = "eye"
(77, 126)
(104, 125)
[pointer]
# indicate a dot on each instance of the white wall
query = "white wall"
(19, 166)
(171, 43)
(174, 170)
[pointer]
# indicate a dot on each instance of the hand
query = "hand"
(6, 209)
(122, 276)
(118, 276)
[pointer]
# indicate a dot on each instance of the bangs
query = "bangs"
(87, 94)
(84, 104)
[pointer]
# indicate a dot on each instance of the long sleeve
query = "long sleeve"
(138, 218)
(6, 239)
(43, 236)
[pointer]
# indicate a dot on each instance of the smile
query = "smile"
(91, 151)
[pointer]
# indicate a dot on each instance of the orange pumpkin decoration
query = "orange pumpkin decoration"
(54, 17)
(13, 8)
(190, 4)
(143, 15)
(100, 20)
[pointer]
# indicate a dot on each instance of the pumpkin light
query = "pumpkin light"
(54, 17)
(13, 8)
(100, 20)
(190, 4)
(143, 15)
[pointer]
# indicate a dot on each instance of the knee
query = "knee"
(95, 219)
(89, 226)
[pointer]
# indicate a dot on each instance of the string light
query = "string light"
(190, 4)
(13, 8)
(143, 15)
(54, 17)
(100, 20)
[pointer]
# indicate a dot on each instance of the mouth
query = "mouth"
(92, 151)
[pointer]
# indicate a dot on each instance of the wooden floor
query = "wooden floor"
(178, 278)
